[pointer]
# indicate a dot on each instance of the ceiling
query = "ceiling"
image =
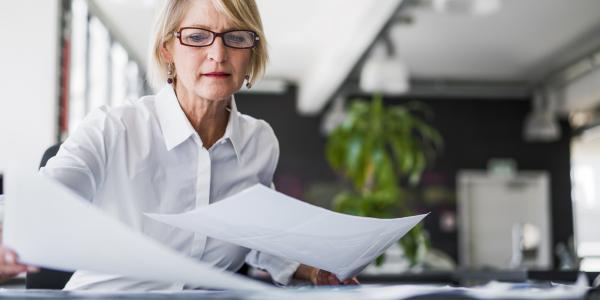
(316, 44)
(523, 41)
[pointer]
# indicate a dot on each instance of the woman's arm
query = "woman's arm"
(81, 161)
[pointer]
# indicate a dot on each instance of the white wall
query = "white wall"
(28, 80)
(583, 93)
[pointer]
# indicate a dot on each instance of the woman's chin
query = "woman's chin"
(211, 92)
(214, 96)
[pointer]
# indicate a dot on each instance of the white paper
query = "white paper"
(526, 290)
(266, 220)
(49, 226)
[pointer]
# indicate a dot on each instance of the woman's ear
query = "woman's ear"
(165, 52)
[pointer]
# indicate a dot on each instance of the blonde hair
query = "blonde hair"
(244, 15)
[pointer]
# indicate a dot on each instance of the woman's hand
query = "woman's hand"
(9, 265)
(321, 277)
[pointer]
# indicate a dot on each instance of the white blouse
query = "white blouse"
(146, 157)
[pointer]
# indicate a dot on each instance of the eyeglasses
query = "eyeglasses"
(199, 37)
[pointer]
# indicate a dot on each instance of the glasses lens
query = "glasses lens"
(196, 37)
(239, 39)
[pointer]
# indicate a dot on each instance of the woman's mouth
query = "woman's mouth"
(216, 74)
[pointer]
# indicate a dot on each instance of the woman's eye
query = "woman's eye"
(197, 38)
(237, 38)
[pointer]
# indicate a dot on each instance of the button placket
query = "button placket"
(203, 177)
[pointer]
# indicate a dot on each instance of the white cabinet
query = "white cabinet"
(499, 215)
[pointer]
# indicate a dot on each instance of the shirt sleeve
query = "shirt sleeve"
(81, 160)
(281, 270)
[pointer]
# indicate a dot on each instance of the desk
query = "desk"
(475, 277)
(412, 292)
(432, 286)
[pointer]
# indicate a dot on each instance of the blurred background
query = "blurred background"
(507, 160)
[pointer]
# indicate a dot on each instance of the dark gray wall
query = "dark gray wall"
(474, 131)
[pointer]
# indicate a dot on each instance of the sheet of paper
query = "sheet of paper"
(266, 220)
(528, 290)
(49, 226)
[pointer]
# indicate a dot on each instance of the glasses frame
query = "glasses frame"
(214, 37)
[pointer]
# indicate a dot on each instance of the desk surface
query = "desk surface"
(412, 292)
(435, 287)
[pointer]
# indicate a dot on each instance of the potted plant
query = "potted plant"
(376, 148)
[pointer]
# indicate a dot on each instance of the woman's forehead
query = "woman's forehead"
(202, 13)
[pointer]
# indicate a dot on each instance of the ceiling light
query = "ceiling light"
(382, 73)
(541, 125)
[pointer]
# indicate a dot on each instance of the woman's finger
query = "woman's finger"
(322, 277)
(14, 269)
(351, 281)
(8, 270)
(9, 263)
(7, 275)
(333, 280)
(10, 257)
(32, 269)
(325, 277)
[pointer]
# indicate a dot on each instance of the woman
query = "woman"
(185, 147)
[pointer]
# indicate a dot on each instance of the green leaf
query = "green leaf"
(379, 260)
(420, 163)
(373, 148)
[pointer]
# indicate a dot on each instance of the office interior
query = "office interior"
(512, 87)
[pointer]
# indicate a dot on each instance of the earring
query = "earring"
(248, 84)
(171, 73)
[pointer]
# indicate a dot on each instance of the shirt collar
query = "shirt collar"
(176, 127)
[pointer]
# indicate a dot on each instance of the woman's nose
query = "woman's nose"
(217, 51)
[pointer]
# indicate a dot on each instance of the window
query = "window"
(99, 70)
(586, 204)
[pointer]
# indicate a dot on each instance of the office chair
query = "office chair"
(54, 279)
(48, 278)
